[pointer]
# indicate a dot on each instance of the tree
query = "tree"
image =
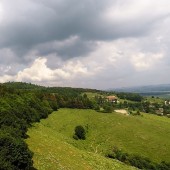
(80, 133)
(14, 153)
(108, 108)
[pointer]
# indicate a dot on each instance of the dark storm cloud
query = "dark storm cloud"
(28, 23)
(70, 48)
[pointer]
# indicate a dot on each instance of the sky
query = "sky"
(88, 43)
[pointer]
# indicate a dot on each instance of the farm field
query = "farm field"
(146, 135)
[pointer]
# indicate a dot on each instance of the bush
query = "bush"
(135, 113)
(108, 108)
(137, 161)
(80, 133)
(163, 166)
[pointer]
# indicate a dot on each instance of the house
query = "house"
(111, 99)
(167, 102)
(160, 112)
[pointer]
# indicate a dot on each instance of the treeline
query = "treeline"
(130, 96)
(59, 90)
(22, 85)
(69, 101)
(62, 96)
(137, 161)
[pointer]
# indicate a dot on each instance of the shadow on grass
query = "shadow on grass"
(33, 168)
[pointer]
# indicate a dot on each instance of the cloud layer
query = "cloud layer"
(85, 43)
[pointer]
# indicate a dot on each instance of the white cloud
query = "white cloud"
(134, 10)
(39, 71)
(1, 12)
(145, 61)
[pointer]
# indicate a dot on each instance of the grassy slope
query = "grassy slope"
(148, 136)
(52, 152)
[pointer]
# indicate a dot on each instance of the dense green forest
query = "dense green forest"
(18, 109)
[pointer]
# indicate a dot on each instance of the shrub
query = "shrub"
(163, 166)
(80, 133)
(108, 108)
(137, 161)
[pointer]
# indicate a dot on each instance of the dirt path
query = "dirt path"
(122, 111)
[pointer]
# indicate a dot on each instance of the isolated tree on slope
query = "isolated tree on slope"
(80, 133)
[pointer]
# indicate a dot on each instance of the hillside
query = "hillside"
(135, 135)
(53, 151)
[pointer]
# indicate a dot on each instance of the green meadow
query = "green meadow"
(53, 145)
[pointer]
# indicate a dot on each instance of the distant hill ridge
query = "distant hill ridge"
(161, 88)
(52, 89)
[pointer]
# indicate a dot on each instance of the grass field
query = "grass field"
(51, 139)
(155, 100)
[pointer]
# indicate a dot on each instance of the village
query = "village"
(128, 105)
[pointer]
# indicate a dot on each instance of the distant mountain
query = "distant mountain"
(162, 90)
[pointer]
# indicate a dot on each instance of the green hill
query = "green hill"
(146, 136)
(53, 152)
